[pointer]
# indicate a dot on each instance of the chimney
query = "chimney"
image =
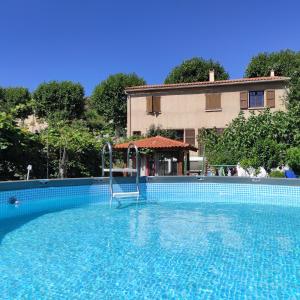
(212, 75)
(272, 74)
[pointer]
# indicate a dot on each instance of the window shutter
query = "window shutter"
(213, 101)
(271, 98)
(190, 136)
(149, 104)
(156, 104)
(244, 100)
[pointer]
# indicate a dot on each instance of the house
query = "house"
(188, 107)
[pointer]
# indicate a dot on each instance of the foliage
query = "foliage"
(284, 63)
(293, 98)
(59, 100)
(16, 101)
(72, 150)
(247, 163)
(110, 100)
(94, 120)
(168, 133)
(276, 174)
(293, 158)
(18, 149)
(260, 140)
(196, 69)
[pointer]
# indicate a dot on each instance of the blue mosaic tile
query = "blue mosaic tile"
(183, 241)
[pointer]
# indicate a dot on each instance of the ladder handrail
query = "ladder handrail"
(137, 159)
(109, 147)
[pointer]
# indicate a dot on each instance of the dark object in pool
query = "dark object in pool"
(13, 200)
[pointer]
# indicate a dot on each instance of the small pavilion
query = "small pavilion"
(161, 156)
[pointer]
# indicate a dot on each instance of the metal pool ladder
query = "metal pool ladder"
(107, 147)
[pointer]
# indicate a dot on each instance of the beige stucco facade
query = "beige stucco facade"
(186, 108)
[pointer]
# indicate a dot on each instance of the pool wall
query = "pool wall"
(43, 195)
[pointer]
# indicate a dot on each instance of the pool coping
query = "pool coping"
(46, 183)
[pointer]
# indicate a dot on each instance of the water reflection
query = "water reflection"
(182, 229)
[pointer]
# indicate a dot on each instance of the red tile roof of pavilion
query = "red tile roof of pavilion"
(157, 143)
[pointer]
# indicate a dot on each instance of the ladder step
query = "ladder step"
(129, 170)
(125, 194)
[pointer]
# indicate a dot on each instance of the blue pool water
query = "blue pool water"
(161, 248)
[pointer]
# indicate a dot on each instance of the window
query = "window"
(213, 102)
(153, 104)
(190, 136)
(136, 133)
(256, 99)
(174, 134)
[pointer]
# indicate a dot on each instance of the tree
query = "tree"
(93, 119)
(284, 63)
(16, 101)
(196, 69)
(61, 100)
(18, 149)
(110, 100)
(72, 150)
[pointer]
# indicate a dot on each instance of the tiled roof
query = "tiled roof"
(153, 87)
(157, 142)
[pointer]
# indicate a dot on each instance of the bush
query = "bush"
(249, 162)
(277, 174)
(261, 140)
(293, 158)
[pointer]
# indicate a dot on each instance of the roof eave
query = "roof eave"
(199, 86)
(187, 148)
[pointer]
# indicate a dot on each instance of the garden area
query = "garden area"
(74, 127)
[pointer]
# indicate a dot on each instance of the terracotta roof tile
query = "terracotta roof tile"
(157, 142)
(142, 88)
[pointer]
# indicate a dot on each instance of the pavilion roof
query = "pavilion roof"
(157, 143)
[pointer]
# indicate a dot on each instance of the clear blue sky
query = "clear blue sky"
(87, 40)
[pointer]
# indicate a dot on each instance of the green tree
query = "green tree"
(94, 120)
(284, 63)
(59, 100)
(16, 101)
(196, 69)
(18, 149)
(72, 150)
(110, 100)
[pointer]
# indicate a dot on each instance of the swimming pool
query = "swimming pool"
(185, 239)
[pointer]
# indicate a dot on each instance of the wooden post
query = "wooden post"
(188, 167)
(180, 165)
(156, 163)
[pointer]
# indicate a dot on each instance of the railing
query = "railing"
(107, 147)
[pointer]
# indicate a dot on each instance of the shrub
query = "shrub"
(293, 158)
(276, 174)
(261, 140)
